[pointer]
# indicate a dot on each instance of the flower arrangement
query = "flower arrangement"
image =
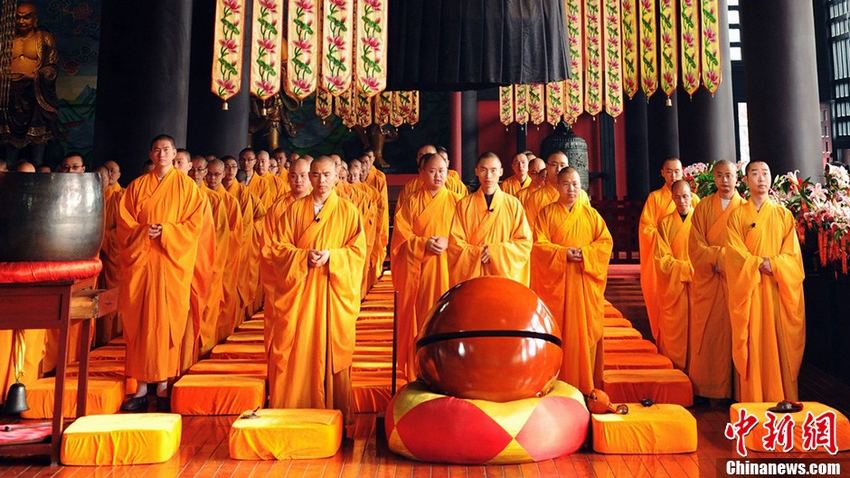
(822, 208)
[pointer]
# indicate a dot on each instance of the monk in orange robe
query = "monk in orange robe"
(265, 194)
(453, 181)
(709, 333)
(378, 180)
(109, 327)
(318, 258)
(414, 184)
(230, 312)
(537, 173)
(520, 179)
(569, 273)
(299, 187)
(548, 193)
(215, 279)
(183, 161)
(658, 204)
(371, 218)
(159, 222)
(419, 260)
(263, 169)
(764, 274)
(675, 274)
(489, 233)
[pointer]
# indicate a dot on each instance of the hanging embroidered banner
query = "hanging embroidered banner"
(302, 49)
(324, 103)
(506, 104)
(228, 38)
(337, 37)
(411, 114)
(371, 40)
(648, 48)
(536, 103)
(401, 100)
(711, 71)
(554, 102)
(613, 58)
(574, 90)
(363, 109)
(344, 107)
(593, 57)
(521, 104)
(630, 47)
(689, 44)
(383, 107)
(267, 35)
(669, 48)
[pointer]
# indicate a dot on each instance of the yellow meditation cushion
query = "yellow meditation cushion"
(635, 360)
(103, 396)
(660, 428)
(286, 434)
(244, 351)
(131, 439)
(620, 333)
(661, 385)
(217, 394)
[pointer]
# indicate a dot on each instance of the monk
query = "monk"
(413, 185)
(489, 233)
(658, 204)
(299, 187)
(548, 193)
(253, 213)
(266, 194)
(764, 274)
(263, 169)
(318, 257)
(675, 274)
(419, 260)
(709, 335)
(160, 218)
(274, 166)
(453, 181)
(108, 326)
(183, 161)
(371, 219)
(375, 178)
(569, 273)
(25, 167)
(520, 179)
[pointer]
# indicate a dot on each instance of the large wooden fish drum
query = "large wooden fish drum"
(50, 217)
(489, 338)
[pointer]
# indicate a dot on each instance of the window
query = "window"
(838, 23)
(734, 31)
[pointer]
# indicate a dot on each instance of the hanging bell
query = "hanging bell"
(16, 400)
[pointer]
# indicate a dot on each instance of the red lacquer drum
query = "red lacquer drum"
(489, 338)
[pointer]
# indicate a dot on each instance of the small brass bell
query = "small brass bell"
(16, 400)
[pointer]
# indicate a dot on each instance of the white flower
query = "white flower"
(818, 194)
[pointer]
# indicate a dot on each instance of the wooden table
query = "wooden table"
(48, 305)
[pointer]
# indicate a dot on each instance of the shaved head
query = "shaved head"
(25, 167)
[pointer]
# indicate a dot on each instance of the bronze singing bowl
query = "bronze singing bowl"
(50, 216)
(489, 338)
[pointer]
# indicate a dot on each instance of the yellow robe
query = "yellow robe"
(658, 204)
(548, 194)
(420, 276)
(157, 273)
(574, 291)
(709, 333)
(409, 188)
(378, 180)
(512, 185)
(109, 327)
(263, 188)
(502, 228)
(312, 336)
(33, 354)
(271, 230)
(229, 313)
(767, 312)
(455, 184)
(252, 213)
(215, 278)
(199, 291)
(369, 210)
(674, 287)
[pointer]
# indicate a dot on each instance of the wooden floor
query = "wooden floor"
(204, 449)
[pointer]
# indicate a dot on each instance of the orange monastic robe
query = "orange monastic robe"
(230, 311)
(215, 278)
(199, 291)
(674, 287)
(108, 327)
(767, 311)
(513, 186)
(33, 354)
(502, 227)
(157, 273)
(378, 180)
(658, 204)
(420, 276)
(371, 226)
(252, 212)
(263, 188)
(409, 188)
(543, 197)
(455, 184)
(709, 333)
(271, 229)
(312, 335)
(574, 291)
